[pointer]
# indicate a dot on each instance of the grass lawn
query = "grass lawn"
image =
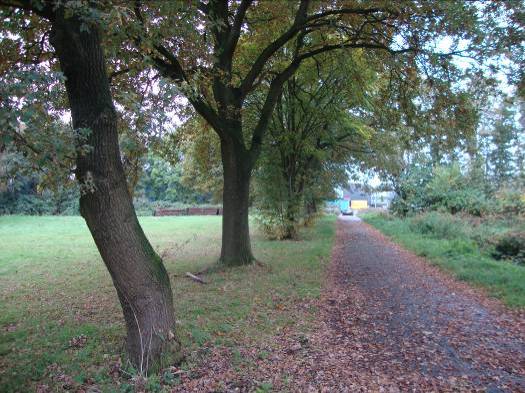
(458, 254)
(54, 287)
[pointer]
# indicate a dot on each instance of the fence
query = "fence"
(189, 211)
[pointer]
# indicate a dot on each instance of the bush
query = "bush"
(511, 246)
(45, 203)
(272, 226)
(510, 202)
(411, 186)
(439, 225)
(441, 188)
(450, 190)
(401, 206)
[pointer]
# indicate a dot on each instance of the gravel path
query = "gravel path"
(417, 327)
(388, 322)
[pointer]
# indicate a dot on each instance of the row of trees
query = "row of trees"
(482, 174)
(305, 84)
(500, 152)
(313, 134)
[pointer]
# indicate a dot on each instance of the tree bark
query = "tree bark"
(141, 281)
(292, 207)
(236, 248)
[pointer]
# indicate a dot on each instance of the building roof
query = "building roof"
(354, 192)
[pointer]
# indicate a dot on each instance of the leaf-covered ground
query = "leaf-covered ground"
(388, 321)
(385, 320)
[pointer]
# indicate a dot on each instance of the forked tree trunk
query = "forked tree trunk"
(290, 225)
(236, 248)
(141, 281)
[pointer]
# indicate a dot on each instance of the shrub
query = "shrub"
(450, 190)
(487, 230)
(440, 188)
(28, 200)
(439, 225)
(411, 189)
(275, 227)
(400, 206)
(510, 202)
(511, 246)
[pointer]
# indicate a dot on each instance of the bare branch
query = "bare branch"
(169, 66)
(353, 11)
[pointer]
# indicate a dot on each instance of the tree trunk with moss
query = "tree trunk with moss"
(141, 281)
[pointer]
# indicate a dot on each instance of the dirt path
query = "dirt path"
(415, 327)
(390, 322)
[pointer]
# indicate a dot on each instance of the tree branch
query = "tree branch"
(171, 68)
(114, 74)
(235, 31)
(277, 85)
(353, 11)
(270, 50)
(301, 23)
(274, 92)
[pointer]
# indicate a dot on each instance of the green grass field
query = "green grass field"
(54, 287)
(453, 249)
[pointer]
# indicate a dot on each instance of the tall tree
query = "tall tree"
(316, 130)
(503, 135)
(222, 53)
(139, 276)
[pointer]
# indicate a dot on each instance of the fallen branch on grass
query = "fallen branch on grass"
(195, 278)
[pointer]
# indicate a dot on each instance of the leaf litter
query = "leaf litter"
(387, 322)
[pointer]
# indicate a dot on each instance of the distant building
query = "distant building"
(382, 199)
(351, 198)
(357, 197)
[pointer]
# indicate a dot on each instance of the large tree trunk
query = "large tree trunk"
(141, 281)
(236, 248)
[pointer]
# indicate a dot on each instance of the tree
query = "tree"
(201, 161)
(139, 276)
(26, 191)
(503, 134)
(316, 130)
(220, 54)
(163, 181)
(520, 145)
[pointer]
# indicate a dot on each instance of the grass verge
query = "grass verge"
(55, 288)
(452, 248)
